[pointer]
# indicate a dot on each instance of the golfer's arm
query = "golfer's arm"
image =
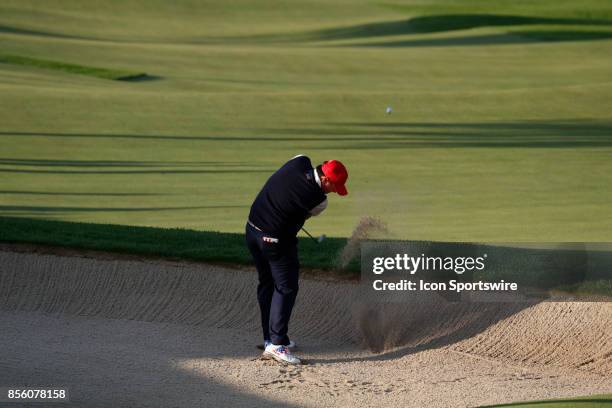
(319, 208)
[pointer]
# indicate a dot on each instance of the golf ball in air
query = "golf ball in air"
(389, 110)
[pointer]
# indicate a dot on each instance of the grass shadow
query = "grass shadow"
(443, 23)
(21, 31)
(518, 37)
(38, 210)
(78, 194)
(230, 139)
(118, 163)
(97, 72)
(125, 167)
(156, 171)
(355, 135)
(138, 78)
(392, 135)
(446, 23)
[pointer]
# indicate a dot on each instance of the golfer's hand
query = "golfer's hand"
(319, 208)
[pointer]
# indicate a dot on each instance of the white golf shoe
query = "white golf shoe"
(290, 346)
(281, 353)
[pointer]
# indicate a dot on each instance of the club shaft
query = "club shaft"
(308, 233)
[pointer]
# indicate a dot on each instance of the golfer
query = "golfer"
(294, 193)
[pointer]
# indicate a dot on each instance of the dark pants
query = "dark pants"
(278, 268)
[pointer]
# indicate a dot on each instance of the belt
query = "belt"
(254, 226)
(266, 239)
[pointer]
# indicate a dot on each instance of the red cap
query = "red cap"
(337, 174)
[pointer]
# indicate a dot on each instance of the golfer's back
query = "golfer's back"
(284, 202)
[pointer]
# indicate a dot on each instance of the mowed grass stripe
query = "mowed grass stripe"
(97, 72)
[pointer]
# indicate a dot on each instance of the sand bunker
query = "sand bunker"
(90, 322)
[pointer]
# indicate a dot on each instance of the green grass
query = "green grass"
(70, 68)
(501, 128)
(175, 243)
(591, 401)
(595, 287)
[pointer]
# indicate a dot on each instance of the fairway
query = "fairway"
(501, 127)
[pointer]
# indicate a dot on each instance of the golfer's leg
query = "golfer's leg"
(265, 288)
(285, 271)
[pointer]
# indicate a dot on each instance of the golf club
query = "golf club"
(317, 240)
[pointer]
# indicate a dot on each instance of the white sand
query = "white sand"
(154, 333)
